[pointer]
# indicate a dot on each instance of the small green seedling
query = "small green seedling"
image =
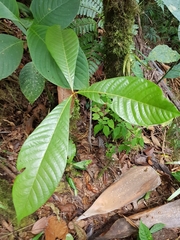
(82, 165)
(145, 233)
(115, 129)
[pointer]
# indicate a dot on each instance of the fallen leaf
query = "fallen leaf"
(80, 232)
(56, 229)
(129, 188)
(155, 140)
(168, 214)
(39, 226)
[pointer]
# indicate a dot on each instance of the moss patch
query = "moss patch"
(119, 19)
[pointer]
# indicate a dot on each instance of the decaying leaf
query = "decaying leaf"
(129, 188)
(56, 229)
(168, 214)
(39, 226)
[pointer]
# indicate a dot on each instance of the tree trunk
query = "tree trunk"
(119, 20)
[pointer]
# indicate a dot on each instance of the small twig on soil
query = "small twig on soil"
(8, 171)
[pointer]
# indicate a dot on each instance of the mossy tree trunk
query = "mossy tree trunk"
(119, 20)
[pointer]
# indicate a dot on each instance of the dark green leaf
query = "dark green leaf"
(51, 13)
(11, 51)
(31, 82)
(164, 54)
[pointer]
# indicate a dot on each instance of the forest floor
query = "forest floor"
(18, 119)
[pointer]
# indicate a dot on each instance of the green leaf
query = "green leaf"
(144, 233)
(97, 128)
(176, 175)
(157, 227)
(174, 7)
(69, 237)
(11, 51)
(37, 236)
(106, 130)
(71, 151)
(82, 165)
(51, 13)
(163, 53)
(31, 82)
(136, 100)
(175, 194)
(38, 50)
(81, 79)
(49, 69)
(64, 47)
(43, 157)
(174, 72)
(9, 9)
(72, 185)
(110, 123)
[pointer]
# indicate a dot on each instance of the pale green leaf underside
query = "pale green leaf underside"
(164, 54)
(11, 50)
(136, 100)
(64, 47)
(54, 12)
(31, 82)
(174, 7)
(174, 72)
(44, 157)
(9, 9)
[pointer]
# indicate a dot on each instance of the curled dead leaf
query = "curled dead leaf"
(39, 226)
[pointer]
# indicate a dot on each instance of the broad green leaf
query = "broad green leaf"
(64, 47)
(163, 53)
(11, 51)
(81, 79)
(9, 9)
(49, 69)
(174, 7)
(54, 12)
(174, 72)
(157, 227)
(175, 194)
(43, 157)
(41, 57)
(136, 100)
(31, 82)
(144, 233)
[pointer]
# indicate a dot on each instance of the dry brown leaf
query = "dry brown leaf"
(169, 214)
(129, 188)
(155, 140)
(56, 229)
(39, 226)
